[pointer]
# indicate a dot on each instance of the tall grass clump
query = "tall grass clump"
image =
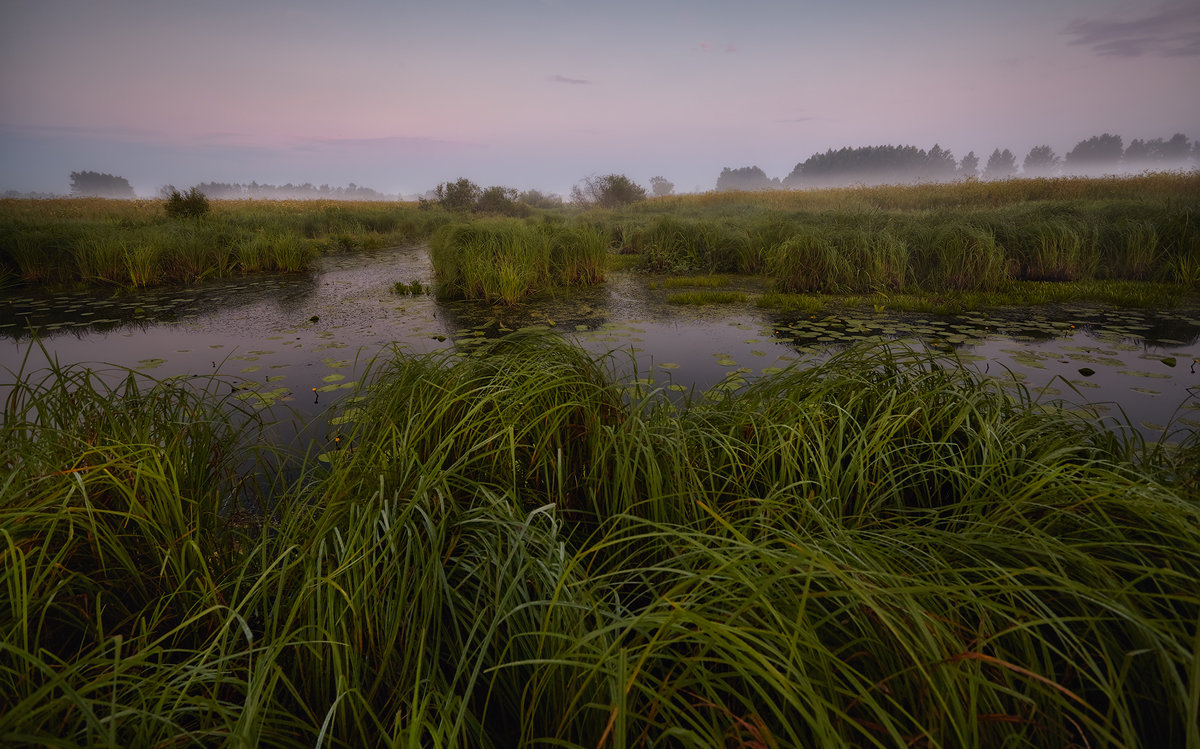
(673, 244)
(960, 257)
(876, 548)
(837, 259)
(508, 547)
(506, 260)
(119, 550)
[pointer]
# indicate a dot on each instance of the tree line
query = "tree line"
(306, 191)
(1099, 154)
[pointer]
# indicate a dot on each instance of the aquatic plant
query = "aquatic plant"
(706, 297)
(507, 547)
(506, 260)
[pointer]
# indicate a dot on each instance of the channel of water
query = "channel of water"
(304, 340)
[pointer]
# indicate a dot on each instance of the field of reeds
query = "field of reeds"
(967, 236)
(509, 547)
(136, 244)
(963, 237)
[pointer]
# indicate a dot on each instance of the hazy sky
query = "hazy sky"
(402, 95)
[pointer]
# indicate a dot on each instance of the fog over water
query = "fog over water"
(538, 94)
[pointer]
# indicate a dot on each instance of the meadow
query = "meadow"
(1095, 238)
(510, 547)
(511, 544)
(134, 244)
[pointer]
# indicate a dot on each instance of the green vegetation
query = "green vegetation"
(506, 260)
(503, 549)
(192, 204)
(707, 282)
(144, 243)
(967, 240)
(1139, 294)
(607, 191)
(412, 288)
(933, 239)
(706, 297)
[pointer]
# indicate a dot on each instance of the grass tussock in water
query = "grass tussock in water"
(507, 260)
(706, 297)
(506, 550)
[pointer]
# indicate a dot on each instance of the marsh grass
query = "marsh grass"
(135, 243)
(1131, 294)
(510, 549)
(706, 297)
(968, 236)
(706, 282)
(507, 260)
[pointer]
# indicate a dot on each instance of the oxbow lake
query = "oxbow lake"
(276, 338)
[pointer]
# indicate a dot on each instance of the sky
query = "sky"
(401, 95)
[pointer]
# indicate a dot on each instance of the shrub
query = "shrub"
(609, 191)
(461, 195)
(192, 204)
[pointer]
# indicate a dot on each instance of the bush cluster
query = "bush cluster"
(192, 204)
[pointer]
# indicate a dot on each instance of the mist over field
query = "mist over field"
(308, 99)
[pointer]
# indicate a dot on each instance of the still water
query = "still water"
(304, 341)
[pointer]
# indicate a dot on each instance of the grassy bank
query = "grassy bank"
(135, 244)
(931, 238)
(503, 550)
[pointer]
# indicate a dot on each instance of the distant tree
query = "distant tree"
(1041, 161)
(870, 165)
(1000, 165)
(536, 199)
(608, 191)
(939, 165)
(1137, 152)
(1176, 148)
(1157, 153)
(968, 168)
(502, 200)
(461, 195)
(100, 185)
(744, 178)
(1098, 152)
(661, 187)
(192, 204)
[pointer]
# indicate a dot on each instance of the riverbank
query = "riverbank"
(1131, 240)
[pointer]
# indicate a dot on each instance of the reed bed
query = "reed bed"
(135, 244)
(507, 260)
(510, 548)
(979, 236)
